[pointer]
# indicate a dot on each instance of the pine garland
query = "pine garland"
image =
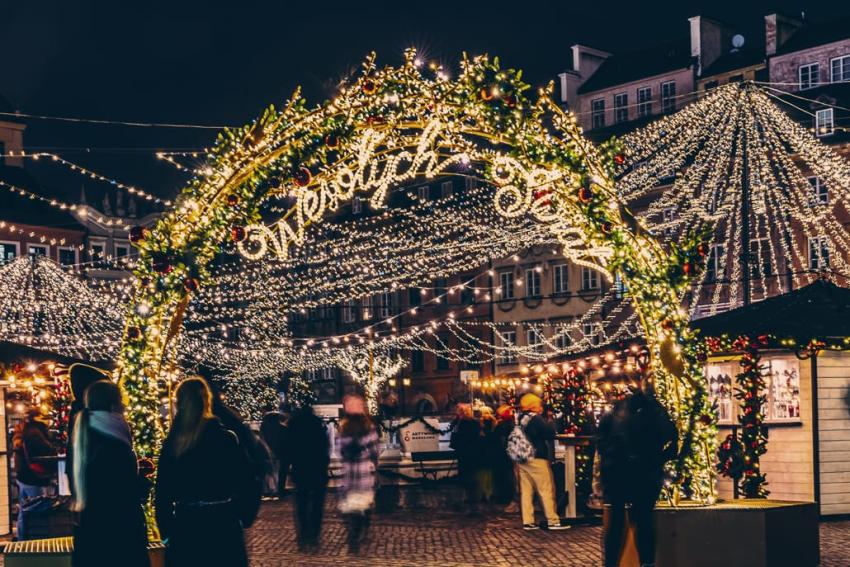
(750, 390)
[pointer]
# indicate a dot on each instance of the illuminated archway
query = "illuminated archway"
(389, 127)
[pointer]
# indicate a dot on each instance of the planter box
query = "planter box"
(56, 552)
(737, 533)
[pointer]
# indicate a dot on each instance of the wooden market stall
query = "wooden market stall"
(806, 336)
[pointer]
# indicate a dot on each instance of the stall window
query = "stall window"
(721, 377)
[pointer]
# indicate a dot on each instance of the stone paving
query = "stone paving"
(445, 539)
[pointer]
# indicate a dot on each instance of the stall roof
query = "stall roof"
(819, 310)
(13, 352)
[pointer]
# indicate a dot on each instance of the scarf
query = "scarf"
(106, 423)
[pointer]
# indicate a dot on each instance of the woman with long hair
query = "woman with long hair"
(108, 490)
(358, 448)
(202, 482)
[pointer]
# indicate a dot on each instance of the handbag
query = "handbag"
(357, 501)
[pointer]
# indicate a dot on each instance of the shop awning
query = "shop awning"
(820, 310)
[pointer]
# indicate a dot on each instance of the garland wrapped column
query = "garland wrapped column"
(750, 390)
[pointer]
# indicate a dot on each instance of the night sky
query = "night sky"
(192, 62)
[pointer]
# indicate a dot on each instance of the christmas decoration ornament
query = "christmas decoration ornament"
(232, 200)
(302, 177)
(137, 234)
(237, 233)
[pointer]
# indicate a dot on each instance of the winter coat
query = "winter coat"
(309, 450)
(467, 444)
(31, 440)
(541, 434)
(203, 497)
(111, 528)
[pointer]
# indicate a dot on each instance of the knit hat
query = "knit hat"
(505, 412)
(530, 402)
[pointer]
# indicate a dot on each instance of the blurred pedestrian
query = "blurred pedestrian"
(491, 452)
(358, 450)
(535, 474)
(467, 444)
(30, 442)
(272, 431)
(504, 475)
(310, 457)
(109, 492)
(81, 376)
(636, 438)
(204, 485)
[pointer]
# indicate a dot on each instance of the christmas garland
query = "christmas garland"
(412, 420)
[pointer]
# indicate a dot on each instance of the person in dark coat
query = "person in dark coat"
(111, 527)
(273, 431)
(203, 483)
(310, 456)
(635, 439)
(81, 376)
(504, 476)
(466, 442)
(31, 440)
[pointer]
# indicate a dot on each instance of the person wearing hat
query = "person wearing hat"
(535, 475)
(504, 476)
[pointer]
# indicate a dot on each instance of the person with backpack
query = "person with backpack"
(530, 446)
(635, 439)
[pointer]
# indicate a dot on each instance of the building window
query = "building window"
(37, 250)
(356, 206)
(710, 85)
(818, 253)
(760, 266)
(589, 279)
(506, 283)
(8, 252)
(366, 305)
(508, 340)
(348, 311)
(67, 256)
(597, 113)
(562, 339)
(668, 97)
(590, 330)
(532, 282)
(440, 288)
(560, 278)
(715, 265)
(820, 193)
(644, 97)
(415, 296)
(122, 250)
(824, 122)
(446, 188)
(422, 193)
(534, 340)
(809, 76)
(442, 361)
(417, 361)
(384, 304)
(839, 69)
(621, 107)
(470, 183)
(619, 287)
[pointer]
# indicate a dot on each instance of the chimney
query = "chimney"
(586, 61)
(709, 40)
(777, 30)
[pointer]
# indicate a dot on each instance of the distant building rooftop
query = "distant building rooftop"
(631, 66)
(814, 34)
(739, 59)
(19, 209)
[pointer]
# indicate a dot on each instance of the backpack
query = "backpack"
(519, 448)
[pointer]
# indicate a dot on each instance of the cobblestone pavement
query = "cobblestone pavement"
(443, 539)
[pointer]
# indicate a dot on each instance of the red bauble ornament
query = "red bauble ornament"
(585, 194)
(705, 419)
(370, 87)
(134, 333)
(190, 284)
(702, 249)
(232, 200)
(486, 94)
(510, 100)
(667, 324)
(332, 141)
(607, 227)
(137, 234)
(688, 268)
(619, 159)
(237, 233)
(161, 264)
(302, 177)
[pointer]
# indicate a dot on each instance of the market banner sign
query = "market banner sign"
(416, 437)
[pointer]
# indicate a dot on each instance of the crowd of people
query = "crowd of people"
(213, 470)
